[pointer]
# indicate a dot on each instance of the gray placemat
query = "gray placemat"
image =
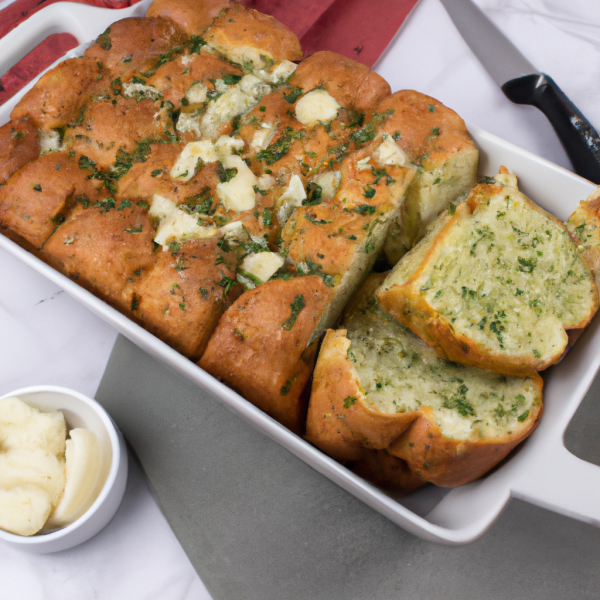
(259, 524)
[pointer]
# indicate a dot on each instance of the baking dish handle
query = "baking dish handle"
(564, 484)
(80, 20)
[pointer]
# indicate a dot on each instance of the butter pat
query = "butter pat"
(316, 107)
(35, 484)
(24, 509)
(84, 474)
(22, 426)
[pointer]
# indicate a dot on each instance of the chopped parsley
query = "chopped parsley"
(350, 401)
(297, 305)
(104, 41)
(293, 95)
(280, 147)
(365, 209)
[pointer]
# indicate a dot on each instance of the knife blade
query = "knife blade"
(522, 83)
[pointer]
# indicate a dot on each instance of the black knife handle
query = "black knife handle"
(575, 132)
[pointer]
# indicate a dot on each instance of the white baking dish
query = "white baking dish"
(540, 471)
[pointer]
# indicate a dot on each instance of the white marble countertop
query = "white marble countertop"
(48, 338)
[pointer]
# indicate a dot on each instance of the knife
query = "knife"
(522, 83)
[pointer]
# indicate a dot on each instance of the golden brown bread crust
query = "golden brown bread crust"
(59, 94)
(135, 45)
(584, 227)
(105, 128)
(152, 176)
(180, 300)
(238, 27)
(447, 462)
(192, 16)
(104, 247)
(174, 78)
(435, 138)
(258, 347)
(351, 83)
(332, 234)
(337, 423)
(416, 122)
(342, 422)
(40, 195)
(387, 471)
(406, 304)
(18, 146)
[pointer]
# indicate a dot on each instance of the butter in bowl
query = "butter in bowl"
(63, 468)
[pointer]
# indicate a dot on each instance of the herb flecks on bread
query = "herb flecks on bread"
(495, 284)
(377, 386)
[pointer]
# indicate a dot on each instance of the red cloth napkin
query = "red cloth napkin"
(358, 29)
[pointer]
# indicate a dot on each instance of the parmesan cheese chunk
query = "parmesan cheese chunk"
(49, 141)
(316, 107)
(389, 153)
(189, 121)
(236, 100)
(329, 182)
(141, 91)
(234, 233)
(291, 198)
(207, 151)
(262, 138)
(252, 58)
(266, 182)
(226, 146)
(278, 73)
(175, 225)
(197, 93)
(238, 194)
(262, 265)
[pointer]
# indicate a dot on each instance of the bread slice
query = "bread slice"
(377, 386)
(436, 139)
(584, 226)
(495, 283)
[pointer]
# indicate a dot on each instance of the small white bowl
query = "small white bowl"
(79, 411)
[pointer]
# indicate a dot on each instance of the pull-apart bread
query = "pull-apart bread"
(378, 387)
(495, 283)
(436, 140)
(195, 172)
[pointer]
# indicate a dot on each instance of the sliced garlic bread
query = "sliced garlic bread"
(495, 285)
(377, 386)
(584, 226)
